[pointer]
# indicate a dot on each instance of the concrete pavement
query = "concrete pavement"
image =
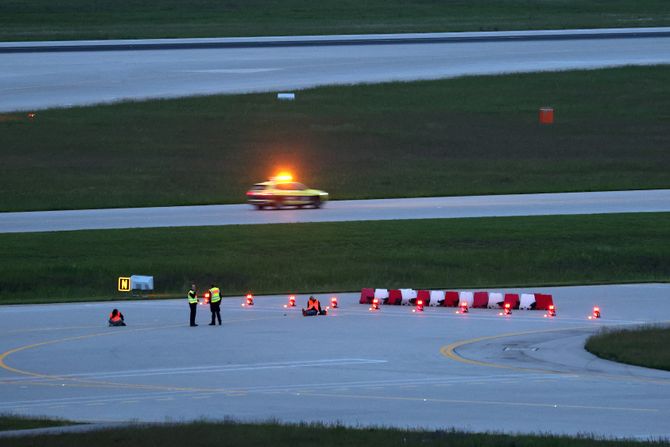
(391, 367)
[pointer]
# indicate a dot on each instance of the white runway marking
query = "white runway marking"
(223, 368)
(232, 70)
(236, 391)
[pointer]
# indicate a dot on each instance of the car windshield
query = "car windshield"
(258, 187)
(291, 186)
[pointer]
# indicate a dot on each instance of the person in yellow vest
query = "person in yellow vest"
(192, 297)
(116, 318)
(215, 304)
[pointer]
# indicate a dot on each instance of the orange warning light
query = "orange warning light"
(462, 307)
(283, 177)
(250, 299)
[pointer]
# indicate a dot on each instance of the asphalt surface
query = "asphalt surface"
(109, 71)
(436, 369)
(340, 211)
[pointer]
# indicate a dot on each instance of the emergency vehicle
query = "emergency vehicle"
(281, 191)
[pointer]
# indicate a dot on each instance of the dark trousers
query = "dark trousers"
(216, 311)
(193, 307)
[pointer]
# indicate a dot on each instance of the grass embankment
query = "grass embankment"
(79, 19)
(320, 257)
(15, 422)
(645, 346)
(265, 434)
(476, 135)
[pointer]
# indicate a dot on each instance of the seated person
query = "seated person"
(116, 318)
(313, 308)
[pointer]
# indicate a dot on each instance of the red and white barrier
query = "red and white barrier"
(366, 296)
(395, 297)
(423, 296)
(512, 299)
(451, 298)
(496, 300)
(480, 300)
(543, 301)
(436, 298)
(381, 294)
(527, 301)
(407, 296)
(466, 297)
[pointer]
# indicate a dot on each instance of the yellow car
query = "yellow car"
(282, 191)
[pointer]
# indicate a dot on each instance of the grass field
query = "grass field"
(270, 434)
(642, 346)
(321, 257)
(14, 422)
(475, 135)
(98, 19)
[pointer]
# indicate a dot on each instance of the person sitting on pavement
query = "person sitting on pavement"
(116, 318)
(313, 308)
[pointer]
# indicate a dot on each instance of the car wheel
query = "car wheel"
(260, 207)
(278, 204)
(316, 201)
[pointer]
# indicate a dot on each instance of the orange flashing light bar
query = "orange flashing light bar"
(283, 177)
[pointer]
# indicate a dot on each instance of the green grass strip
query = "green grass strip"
(98, 19)
(16, 422)
(266, 434)
(645, 346)
(320, 257)
(476, 135)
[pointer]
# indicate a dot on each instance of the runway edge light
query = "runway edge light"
(375, 304)
(595, 314)
(507, 309)
(249, 300)
(333, 302)
(291, 301)
(419, 306)
(462, 307)
(551, 311)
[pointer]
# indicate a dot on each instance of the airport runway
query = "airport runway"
(39, 78)
(436, 369)
(344, 210)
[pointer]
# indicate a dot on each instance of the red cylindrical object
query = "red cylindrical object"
(546, 115)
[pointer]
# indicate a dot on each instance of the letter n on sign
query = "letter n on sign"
(124, 284)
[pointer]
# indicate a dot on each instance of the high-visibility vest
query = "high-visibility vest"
(114, 318)
(313, 304)
(192, 297)
(216, 295)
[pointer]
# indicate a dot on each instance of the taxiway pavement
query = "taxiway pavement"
(344, 210)
(436, 369)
